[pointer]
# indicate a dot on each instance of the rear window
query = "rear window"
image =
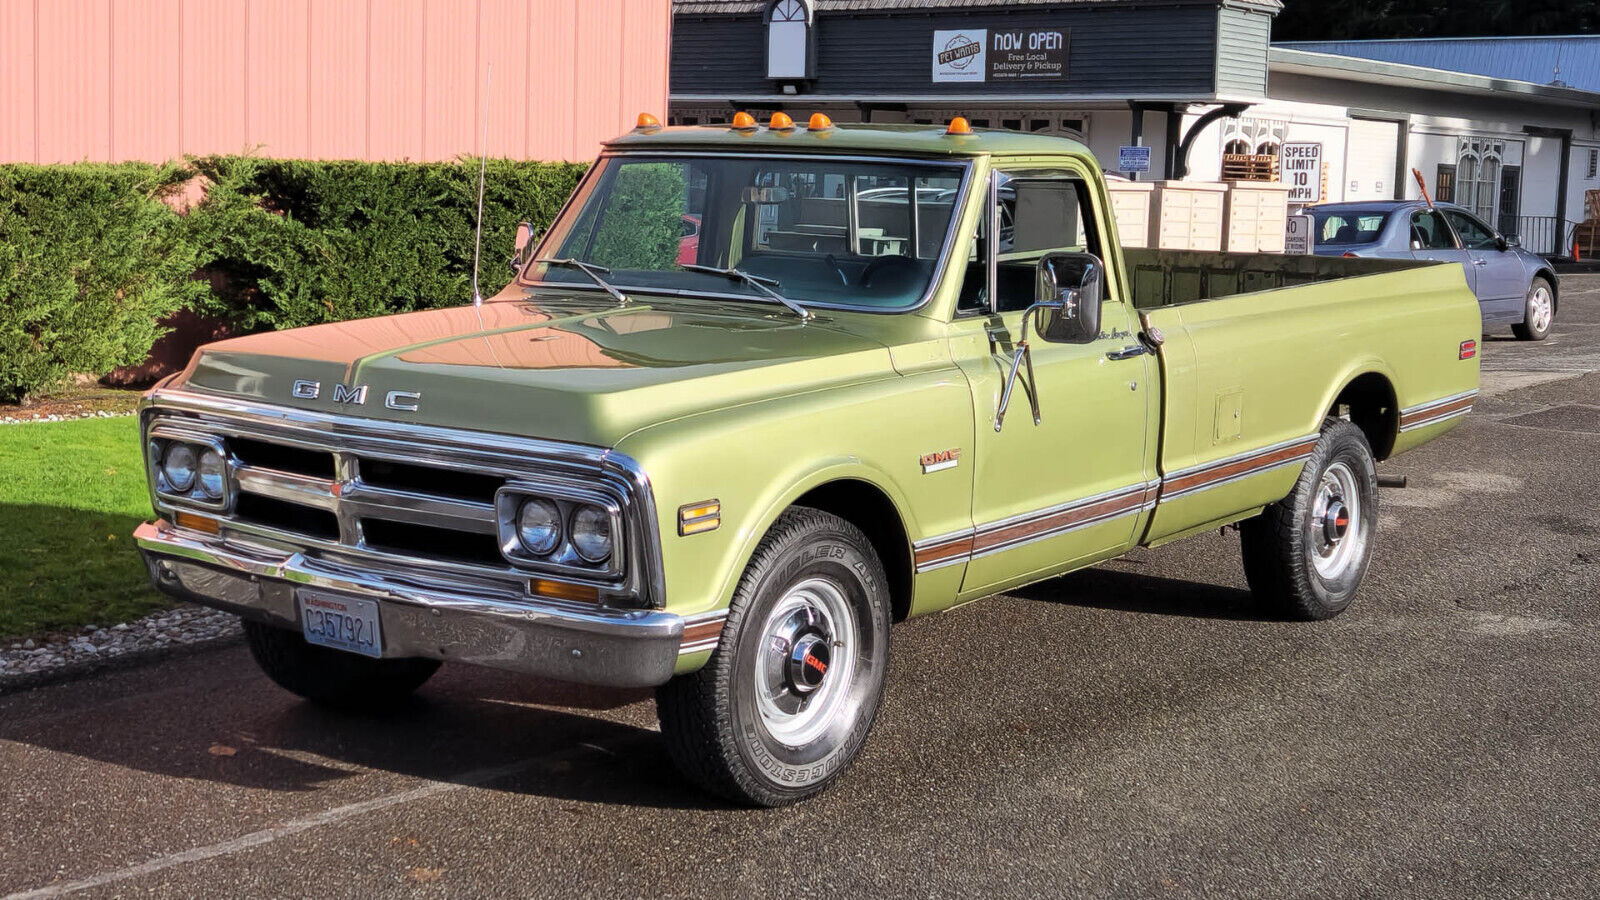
(1348, 227)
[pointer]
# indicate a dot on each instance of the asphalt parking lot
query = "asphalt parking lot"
(1136, 730)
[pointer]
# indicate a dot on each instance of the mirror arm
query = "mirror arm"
(1023, 355)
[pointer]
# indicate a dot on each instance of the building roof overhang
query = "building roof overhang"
(748, 7)
(1367, 71)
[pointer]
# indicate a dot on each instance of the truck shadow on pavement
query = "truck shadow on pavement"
(212, 717)
(1135, 592)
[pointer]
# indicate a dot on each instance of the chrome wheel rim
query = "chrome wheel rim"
(1336, 530)
(806, 663)
(1541, 309)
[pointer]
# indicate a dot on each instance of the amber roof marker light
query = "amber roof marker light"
(647, 122)
(819, 122)
(780, 121)
(743, 121)
(959, 125)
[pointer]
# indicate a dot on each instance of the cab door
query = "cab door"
(1073, 485)
(1432, 238)
(1500, 282)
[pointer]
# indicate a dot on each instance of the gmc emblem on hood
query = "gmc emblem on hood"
(402, 401)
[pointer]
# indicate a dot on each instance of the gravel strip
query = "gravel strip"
(32, 662)
(9, 419)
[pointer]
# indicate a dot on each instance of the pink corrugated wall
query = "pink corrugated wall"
(331, 79)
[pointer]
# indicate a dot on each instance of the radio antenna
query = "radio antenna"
(483, 165)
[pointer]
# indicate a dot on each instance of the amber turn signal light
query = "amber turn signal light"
(959, 125)
(197, 523)
(561, 590)
(780, 121)
(819, 122)
(647, 121)
(743, 121)
(694, 518)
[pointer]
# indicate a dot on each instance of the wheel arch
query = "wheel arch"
(1372, 405)
(861, 496)
(1549, 274)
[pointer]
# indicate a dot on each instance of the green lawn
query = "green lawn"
(70, 496)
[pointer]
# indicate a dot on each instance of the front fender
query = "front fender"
(757, 460)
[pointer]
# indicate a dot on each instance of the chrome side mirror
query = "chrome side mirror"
(521, 246)
(1069, 291)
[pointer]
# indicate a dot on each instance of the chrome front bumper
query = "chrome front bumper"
(568, 642)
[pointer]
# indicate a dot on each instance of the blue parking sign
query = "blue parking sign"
(1133, 159)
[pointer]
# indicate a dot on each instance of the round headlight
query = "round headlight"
(591, 533)
(179, 467)
(213, 474)
(539, 526)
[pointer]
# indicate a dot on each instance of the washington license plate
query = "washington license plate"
(343, 623)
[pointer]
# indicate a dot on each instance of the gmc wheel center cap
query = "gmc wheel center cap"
(808, 663)
(1335, 522)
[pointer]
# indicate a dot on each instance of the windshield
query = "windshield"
(1350, 226)
(820, 230)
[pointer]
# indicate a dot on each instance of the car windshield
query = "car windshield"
(1349, 226)
(822, 231)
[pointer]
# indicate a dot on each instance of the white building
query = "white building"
(1196, 81)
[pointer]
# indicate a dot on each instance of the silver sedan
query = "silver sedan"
(1514, 287)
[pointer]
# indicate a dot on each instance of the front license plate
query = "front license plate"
(343, 623)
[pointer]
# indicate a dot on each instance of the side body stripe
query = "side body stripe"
(1440, 410)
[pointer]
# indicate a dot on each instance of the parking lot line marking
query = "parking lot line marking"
(338, 814)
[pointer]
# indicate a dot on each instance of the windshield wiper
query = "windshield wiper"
(589, 269)
(755, 281)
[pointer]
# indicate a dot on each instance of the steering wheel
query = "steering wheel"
(886, 263)
(843, 278)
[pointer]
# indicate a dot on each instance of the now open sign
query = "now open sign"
(1300, 167)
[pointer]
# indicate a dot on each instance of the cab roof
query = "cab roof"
(886, 140)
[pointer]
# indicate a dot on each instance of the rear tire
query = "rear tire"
(332, 677)
(1305, 556)
(1539, 311)
(787, 699)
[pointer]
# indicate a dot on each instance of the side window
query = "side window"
(1473, 233)
(1038, 214)
(1428, 232)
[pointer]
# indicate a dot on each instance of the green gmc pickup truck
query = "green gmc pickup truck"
(762, 391)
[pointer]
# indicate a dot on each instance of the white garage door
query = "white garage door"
(1369, 166)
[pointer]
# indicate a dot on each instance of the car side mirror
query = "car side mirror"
(1505, 243)
(521, 246)
(1070, 288)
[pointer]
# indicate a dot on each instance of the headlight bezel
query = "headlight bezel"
(159, 442)
(564, 559)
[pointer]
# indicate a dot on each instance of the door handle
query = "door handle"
(1128, 352)
(1480, 262)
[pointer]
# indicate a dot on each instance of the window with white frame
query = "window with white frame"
(1478, 166)
(789, 39)
(1062, 123)
(1594, 162)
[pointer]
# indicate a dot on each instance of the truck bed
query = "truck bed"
(1168, 277)
(1280, 342)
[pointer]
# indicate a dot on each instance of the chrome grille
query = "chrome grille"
(403, 497)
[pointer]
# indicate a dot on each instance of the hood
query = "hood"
(560, 367)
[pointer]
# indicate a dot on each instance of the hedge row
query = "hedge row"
(92, 256)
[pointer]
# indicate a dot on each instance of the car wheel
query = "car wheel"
(333, 677)
(1539, 312)
(1305, 556)
(786, 701)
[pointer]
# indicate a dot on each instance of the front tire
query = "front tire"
(1305, 556)
(787, 699)
(1539, 312)
(333, 677)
